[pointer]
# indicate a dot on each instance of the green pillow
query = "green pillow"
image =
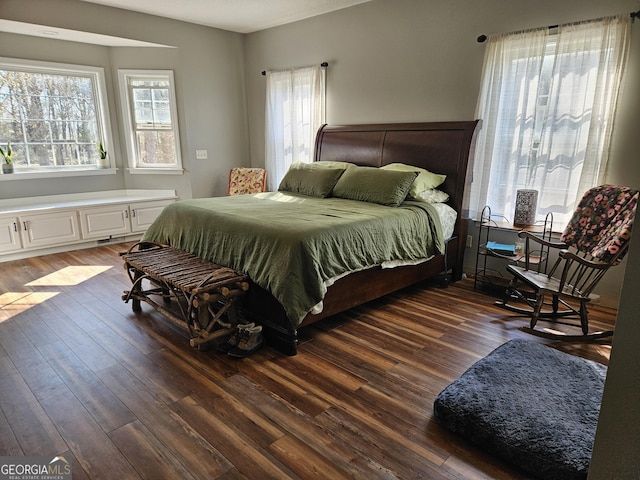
(334, 164)
(371, 184)
(323, 164)
(425, 180)
(309, 179)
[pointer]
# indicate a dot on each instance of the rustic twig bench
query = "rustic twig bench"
(196, 294)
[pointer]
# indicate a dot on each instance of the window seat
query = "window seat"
(54, 223)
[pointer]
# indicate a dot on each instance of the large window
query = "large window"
(54, 115)
(294, 113)
(547, 104)
(149, 106)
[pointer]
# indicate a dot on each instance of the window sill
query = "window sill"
(8, 177)
(156, 171)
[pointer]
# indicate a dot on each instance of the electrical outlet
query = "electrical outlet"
(201, 154)
(469, 241)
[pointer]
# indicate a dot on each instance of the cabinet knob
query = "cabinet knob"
(133, 212)
(126, 214)
(15, 227)
(24, 226)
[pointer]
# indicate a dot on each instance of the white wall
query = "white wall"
(208, 65)
(390, 61)
(417, 60)
(615, 452)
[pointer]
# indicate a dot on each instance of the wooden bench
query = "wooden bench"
(196, 294)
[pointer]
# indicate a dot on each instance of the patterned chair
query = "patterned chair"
(596, 239)
(243, 180)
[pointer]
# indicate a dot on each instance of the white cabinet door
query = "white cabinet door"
(9, 234)
(144, 213)
(49, 229)
(104, 222)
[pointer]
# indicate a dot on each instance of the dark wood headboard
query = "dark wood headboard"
(440, 147)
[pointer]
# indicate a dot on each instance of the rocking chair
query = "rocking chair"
(596, 239)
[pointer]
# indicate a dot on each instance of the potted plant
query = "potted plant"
(7, 166)
(102, 161)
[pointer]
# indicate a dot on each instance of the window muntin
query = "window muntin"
(150, 107)
(53, 115)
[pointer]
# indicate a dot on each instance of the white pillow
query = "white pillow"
(432, 196)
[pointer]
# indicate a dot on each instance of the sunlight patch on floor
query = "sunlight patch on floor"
(69, 276)
(14, 303)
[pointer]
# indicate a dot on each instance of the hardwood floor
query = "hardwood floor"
(124, 396)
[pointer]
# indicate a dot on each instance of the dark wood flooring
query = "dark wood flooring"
(124, 396)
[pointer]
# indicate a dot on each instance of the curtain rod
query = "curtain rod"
(323, 65)
(633, 15)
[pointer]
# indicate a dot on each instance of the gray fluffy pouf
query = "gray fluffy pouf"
(531, 405)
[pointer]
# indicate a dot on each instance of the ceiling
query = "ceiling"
(45, 31)
(243, 16)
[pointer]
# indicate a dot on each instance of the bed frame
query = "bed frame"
(441, 147)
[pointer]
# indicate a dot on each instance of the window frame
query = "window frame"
(97, 76)
(502, 163)
(126, 102)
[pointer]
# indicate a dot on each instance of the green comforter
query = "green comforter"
(290, 244)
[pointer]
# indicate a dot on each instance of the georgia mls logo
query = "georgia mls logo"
(35, 468)
(60, 466)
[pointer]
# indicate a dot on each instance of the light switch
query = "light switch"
(201, 154)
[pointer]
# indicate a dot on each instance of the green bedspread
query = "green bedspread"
(290, 244)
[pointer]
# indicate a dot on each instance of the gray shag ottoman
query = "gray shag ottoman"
(531, 405)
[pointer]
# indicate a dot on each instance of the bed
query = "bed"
(316, 249)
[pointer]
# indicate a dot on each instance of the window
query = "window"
(54, 115)
(295, 112)
(149, 110)
(547, 105)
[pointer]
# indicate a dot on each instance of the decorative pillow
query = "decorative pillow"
(426, 180)
(448, 217)
(601, 223)
(309, 179)
(432, 196)
(371, 184)
(334, 164)
(323, 164)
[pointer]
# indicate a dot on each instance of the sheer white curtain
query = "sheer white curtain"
(547, 105)
(294, 113)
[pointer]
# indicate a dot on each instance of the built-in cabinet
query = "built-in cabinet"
(103, 222)
(9, 234)
(49, 229)
(42, 223)
(39, 230)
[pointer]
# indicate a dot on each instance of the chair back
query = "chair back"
(600, 227)
(244, 180)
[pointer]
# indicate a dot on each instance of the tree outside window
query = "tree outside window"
(52, 114)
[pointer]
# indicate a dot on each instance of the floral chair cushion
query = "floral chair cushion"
(602, 222)
(243, 180)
